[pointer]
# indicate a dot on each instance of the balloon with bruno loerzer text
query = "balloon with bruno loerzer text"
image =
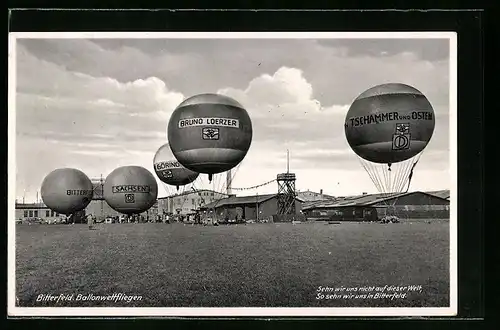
(389, 123)
(130, 189)
(169, 170)
(66, 190)
(209, 133)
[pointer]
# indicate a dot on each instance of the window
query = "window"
(31, 213)
(193, 201)
(47, 213)
(25, 213)
(36, 213)
(52, 213)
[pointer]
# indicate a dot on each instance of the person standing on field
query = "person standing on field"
(90, 221)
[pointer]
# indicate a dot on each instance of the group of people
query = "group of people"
(133, 218)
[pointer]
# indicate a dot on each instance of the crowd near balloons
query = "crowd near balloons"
(387, 127)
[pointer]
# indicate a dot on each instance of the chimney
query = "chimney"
(321, 192)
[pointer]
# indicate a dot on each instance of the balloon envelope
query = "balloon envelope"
(169, 170)
(209, 133)
(66, 190)
(389, 123)
(130, 189)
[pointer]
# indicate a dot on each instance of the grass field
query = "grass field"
(261, 265)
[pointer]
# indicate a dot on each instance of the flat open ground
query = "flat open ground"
(264, 265)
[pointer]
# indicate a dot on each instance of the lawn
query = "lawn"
(253, 265)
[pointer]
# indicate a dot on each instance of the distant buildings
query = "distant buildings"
(34, 210)
(314, 206)
(39, 212)
(366, 207)
(188, 202)
(256, 207)
(311, 196)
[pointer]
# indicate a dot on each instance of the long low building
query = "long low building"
(257, 207)
(410, 205)
(35, 212)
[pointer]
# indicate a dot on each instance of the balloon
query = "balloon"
(389, 123)
(169, 170)
(130, 189)
(209, 133)
(66, 190)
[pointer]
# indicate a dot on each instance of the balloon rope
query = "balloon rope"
(404, 173)
(217, 182)
(386, 173)
(389, 171)
(381, 176)
(387, 183)
(409, 175)
(186, 195)
(372, 173)
(224, 196)
(401, 172)
(361, 161)
(234, 173)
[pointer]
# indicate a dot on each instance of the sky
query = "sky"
(97, 104)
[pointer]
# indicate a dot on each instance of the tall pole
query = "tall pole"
(37, 205)
(287, 161)
(257, 204)
(101, 187)
(228, 182)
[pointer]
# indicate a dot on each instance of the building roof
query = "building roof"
(305, 195)
(241, 200)
(361, 200)
(236, 200)
(191, 191)
(440, 193)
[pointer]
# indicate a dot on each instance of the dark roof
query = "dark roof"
(361, 200)
(235, 200)
(31, 206)
(440, 193)
(240, 200)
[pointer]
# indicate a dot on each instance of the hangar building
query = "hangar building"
(410, 205)
(257, 207)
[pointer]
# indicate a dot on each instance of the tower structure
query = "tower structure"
(98, 187)
(286, 190)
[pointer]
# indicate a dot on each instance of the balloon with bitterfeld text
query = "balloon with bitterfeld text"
(66, 190)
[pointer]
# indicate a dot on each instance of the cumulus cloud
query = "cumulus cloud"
(286, 115)
(75, 108)
(339, 70)
(67, 118)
